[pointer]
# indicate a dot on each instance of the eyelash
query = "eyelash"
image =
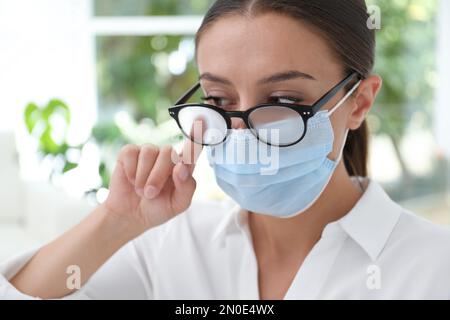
(208, 98)
(271, 99)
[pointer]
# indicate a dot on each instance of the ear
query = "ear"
(363, 101)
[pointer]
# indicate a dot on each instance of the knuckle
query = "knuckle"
(149, 146)
(148, 152)
(166, 150)
(128, 151)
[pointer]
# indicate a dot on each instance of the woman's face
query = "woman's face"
(238, 58)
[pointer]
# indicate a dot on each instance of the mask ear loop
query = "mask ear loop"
(341, 151)
(340, 103)
(331, 111)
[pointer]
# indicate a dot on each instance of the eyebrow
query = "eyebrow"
(284, 76)
(213, 78)
(278, 77)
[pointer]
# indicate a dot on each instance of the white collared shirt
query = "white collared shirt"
(377, 251)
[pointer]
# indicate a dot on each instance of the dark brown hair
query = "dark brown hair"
(343, 23)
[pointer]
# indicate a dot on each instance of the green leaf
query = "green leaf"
(47, 143)
(31, 116)
(69, 166)
(63, 148)
(104, 175)
(57, 106)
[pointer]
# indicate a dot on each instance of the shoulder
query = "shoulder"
(407, 246)
(392, 227)
(423, 235)
(422, 247)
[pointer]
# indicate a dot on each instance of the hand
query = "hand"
(151, 185)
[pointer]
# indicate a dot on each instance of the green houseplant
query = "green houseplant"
(40, 122)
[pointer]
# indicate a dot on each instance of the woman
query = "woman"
(315, 227)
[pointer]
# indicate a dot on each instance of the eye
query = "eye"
(216, 101)
(284, 99)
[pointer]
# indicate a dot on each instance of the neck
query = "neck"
(283, 236)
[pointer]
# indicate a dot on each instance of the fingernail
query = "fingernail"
(140, 192)
(150, 192)
(184, 173)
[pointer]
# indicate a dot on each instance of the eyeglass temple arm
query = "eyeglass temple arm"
(188, 94)
(328, 96)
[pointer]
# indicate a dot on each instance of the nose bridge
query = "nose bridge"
(237, 119)
(247, 99)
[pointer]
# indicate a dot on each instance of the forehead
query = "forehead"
(262, 44)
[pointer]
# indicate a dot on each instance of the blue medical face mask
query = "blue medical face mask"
(280, 182)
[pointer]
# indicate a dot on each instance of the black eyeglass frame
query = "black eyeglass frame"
(306, 112)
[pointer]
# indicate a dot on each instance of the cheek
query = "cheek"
(339, 122)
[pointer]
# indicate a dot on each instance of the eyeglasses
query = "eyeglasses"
(287, 119)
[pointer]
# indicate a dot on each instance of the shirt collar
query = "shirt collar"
(372, 220)
(369, 223)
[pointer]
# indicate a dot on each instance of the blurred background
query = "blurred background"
(81, 78)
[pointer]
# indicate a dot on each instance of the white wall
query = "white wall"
(442, 114)
(46, 51)
(11, 187)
